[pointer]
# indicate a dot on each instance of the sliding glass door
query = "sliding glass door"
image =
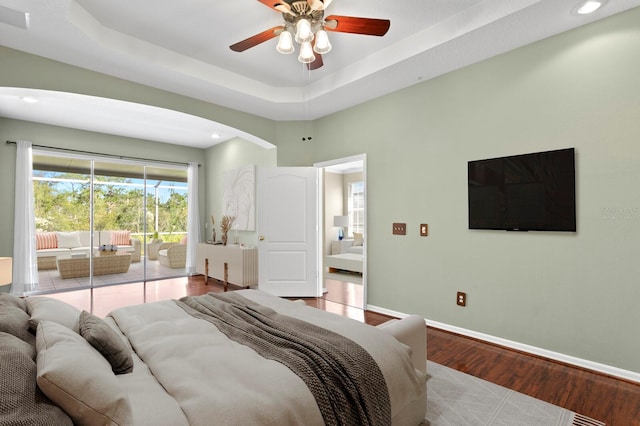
(103, 222)
(118, 212)
(165, 248)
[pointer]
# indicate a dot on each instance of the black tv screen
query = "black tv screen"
(530, 192)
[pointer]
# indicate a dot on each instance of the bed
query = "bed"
(350, 262)
(188, 363)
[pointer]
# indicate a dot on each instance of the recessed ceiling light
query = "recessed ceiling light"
(589, 6)
(29, 99)
(215, 136)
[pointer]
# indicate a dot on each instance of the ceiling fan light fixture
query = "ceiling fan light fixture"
(283, 7)
(318, 4)
(322, 45)
(303, 31)
(285, 43)
(306, 53)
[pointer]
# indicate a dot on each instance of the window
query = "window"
(355, 207)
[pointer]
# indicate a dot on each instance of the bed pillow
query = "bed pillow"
(121, 238)
(7, 299)
(46, 240)
(69, 239)
(46, 308)
(22, 403)
(104, 338)
(15, 321)
(357, 239)
(77, 378)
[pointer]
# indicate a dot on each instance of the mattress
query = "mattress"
(345, 261)
(356, 250)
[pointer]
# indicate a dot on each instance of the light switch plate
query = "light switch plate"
(399, 229)
(424, 230)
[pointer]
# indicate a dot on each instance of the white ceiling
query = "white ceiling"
(183, 47)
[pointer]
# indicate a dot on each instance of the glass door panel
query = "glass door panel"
(165, 248)
(118, 222)
(62, 204)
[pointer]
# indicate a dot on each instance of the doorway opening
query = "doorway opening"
(343, 231)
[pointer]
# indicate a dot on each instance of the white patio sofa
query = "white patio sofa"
(51, 245)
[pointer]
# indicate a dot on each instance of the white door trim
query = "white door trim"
(322, 165)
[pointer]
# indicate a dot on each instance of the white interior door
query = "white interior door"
(287, 205)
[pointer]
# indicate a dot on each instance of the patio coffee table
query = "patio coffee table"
(102, 265)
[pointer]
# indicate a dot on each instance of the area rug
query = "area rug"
(458, 399)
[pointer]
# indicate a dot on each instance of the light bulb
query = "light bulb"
(303, 31)
(285, 43)
(318, 4)
(322, 45)
(306, 53)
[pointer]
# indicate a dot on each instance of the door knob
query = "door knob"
(261, 238)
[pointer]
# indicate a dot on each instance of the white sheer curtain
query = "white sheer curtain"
(25, 264)
(193, 217)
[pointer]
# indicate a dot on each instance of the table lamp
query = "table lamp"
(341, 222)
(6, 271)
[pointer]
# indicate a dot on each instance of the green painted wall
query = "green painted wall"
(571, 293)
(228, 156)
(24, 70)
(292, 150)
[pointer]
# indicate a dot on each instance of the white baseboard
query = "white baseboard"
(557, 356)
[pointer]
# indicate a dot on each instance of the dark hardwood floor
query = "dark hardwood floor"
(610, 400)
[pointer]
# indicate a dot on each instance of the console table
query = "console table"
(231, 263)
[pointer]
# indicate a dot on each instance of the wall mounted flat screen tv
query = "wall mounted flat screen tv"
(530, 192)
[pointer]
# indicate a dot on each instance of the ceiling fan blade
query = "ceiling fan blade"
(255, 40)
(316, 64)
(278, 6)
(353, 25)
(270, 3)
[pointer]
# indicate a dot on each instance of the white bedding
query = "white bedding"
(187, 372)
(356, 250)
(345, 261)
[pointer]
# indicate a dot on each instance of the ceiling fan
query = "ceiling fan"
(304, 22)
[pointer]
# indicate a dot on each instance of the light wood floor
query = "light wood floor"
(615, 402)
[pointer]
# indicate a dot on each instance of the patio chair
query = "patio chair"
(172, 255)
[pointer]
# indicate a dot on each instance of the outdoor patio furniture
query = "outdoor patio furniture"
(152, 250)
(51, 245)
(102, 265)
(172, 255)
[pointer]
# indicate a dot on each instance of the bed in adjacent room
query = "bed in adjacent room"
(349, 262)
(244, 357)
(348, 258)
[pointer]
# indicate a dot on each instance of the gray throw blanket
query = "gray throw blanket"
(346, 382)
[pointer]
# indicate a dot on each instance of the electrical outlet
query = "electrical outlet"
(424, 230)
(399, 229)
(461, 298)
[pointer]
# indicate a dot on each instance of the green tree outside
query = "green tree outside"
(63, 205)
